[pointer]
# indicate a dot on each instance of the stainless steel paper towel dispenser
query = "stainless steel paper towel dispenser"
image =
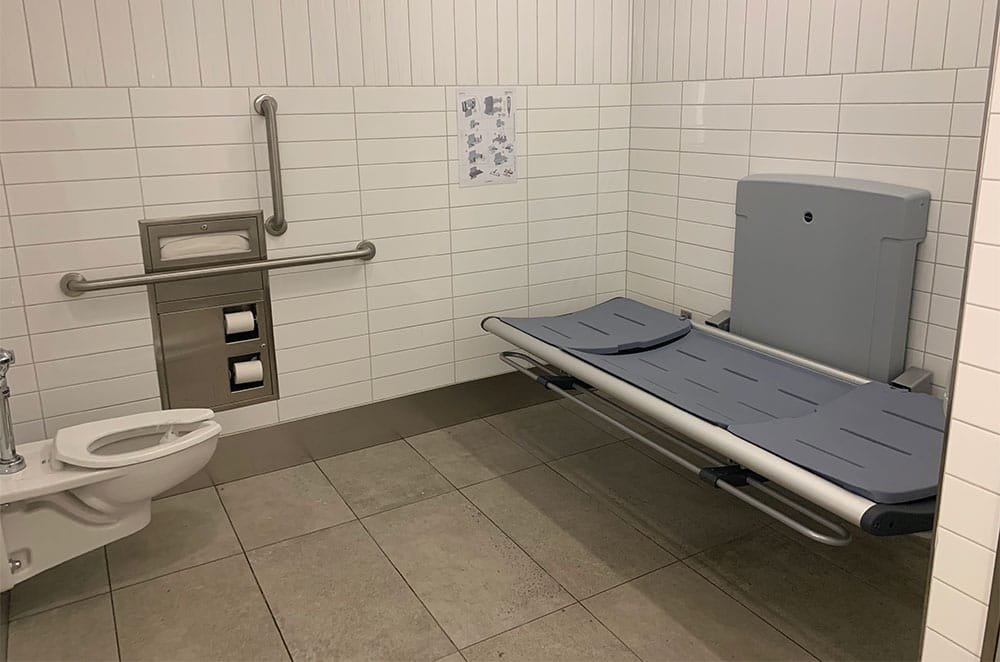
(212, 335)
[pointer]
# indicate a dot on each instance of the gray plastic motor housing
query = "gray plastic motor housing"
(823, 267)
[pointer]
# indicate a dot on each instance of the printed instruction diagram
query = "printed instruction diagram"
(487, 153)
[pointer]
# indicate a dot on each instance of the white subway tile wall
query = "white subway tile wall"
(81, 167)
(184, 43)
(693, 137)
(625, 185)
(969, 523)
(692, 141)
(124, 43)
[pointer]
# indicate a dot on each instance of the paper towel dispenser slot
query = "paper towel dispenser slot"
(212, 334)
(205, 244)
(202, 240)
(240, 322)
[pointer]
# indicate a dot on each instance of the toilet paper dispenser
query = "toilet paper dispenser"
(212, 332)
(209, 294)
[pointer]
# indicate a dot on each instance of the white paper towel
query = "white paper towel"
(199, 245)
(248, 372)
(239, 322)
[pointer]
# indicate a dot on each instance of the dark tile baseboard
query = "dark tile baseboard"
(285, 445)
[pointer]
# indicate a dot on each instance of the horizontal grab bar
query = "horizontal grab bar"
(75, 284)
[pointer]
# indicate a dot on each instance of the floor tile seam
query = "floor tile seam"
(381, 443)
(504, 533)
(881, 588)
(574, 411)
(74, 601)
(254, 550)
(145, 580)
(629, 581)
(608, 508)
(518, 545)
(642, 574)
(404, 505)
(729, 541)
(613, 633)
(478, 482)
(413, 592)
(751, 610)
(503, 434)
(358, 517)
(516, 442)
(60, 606)
(256, 581)
(313, 460)
(111, 600)
(585, 450)
(257, 475)
(378, 512)
(337, 492)
(354, 518)
(510, 411)
(429, 463)
(537, 463)
(267, 605)
(520, 625)
(674, 557)
(5, 624)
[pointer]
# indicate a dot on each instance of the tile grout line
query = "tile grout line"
(246, 559)
(477, 509)
(608, 628)
(550, 463)
(748, 608)
(406, 582)
(783, 531)
(111, 599)
(385, 555)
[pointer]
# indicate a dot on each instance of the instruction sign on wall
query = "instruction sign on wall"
(487, 153)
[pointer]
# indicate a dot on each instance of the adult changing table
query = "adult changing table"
(802, 389)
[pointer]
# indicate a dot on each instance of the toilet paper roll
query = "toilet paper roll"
(248, 372)
(240, 322)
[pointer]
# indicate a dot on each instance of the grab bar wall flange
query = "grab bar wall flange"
(74, 284)
(267, 106)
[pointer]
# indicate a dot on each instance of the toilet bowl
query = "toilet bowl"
(93, 484)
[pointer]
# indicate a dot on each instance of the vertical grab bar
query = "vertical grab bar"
(266, 105)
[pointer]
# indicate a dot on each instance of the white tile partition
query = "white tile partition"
(118, 110)
(769, 91)
(81, 166)
(969, 523)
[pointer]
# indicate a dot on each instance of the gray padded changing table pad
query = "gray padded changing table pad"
(874, 440)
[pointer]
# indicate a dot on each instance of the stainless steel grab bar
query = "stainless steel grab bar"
(75, 284)
(266, 105)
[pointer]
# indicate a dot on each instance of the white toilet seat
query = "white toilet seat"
(77, 445)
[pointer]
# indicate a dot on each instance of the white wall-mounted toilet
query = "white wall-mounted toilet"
(93, 484)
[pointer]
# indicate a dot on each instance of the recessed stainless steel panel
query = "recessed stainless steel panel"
(183, 290)
(194, 355)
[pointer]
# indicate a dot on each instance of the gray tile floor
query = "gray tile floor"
(531, 535)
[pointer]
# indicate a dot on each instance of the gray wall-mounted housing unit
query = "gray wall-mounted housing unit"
(823, 267)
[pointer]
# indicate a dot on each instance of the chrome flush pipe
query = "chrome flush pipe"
(10, 461)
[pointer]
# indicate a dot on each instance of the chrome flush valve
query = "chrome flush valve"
(10, 461)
